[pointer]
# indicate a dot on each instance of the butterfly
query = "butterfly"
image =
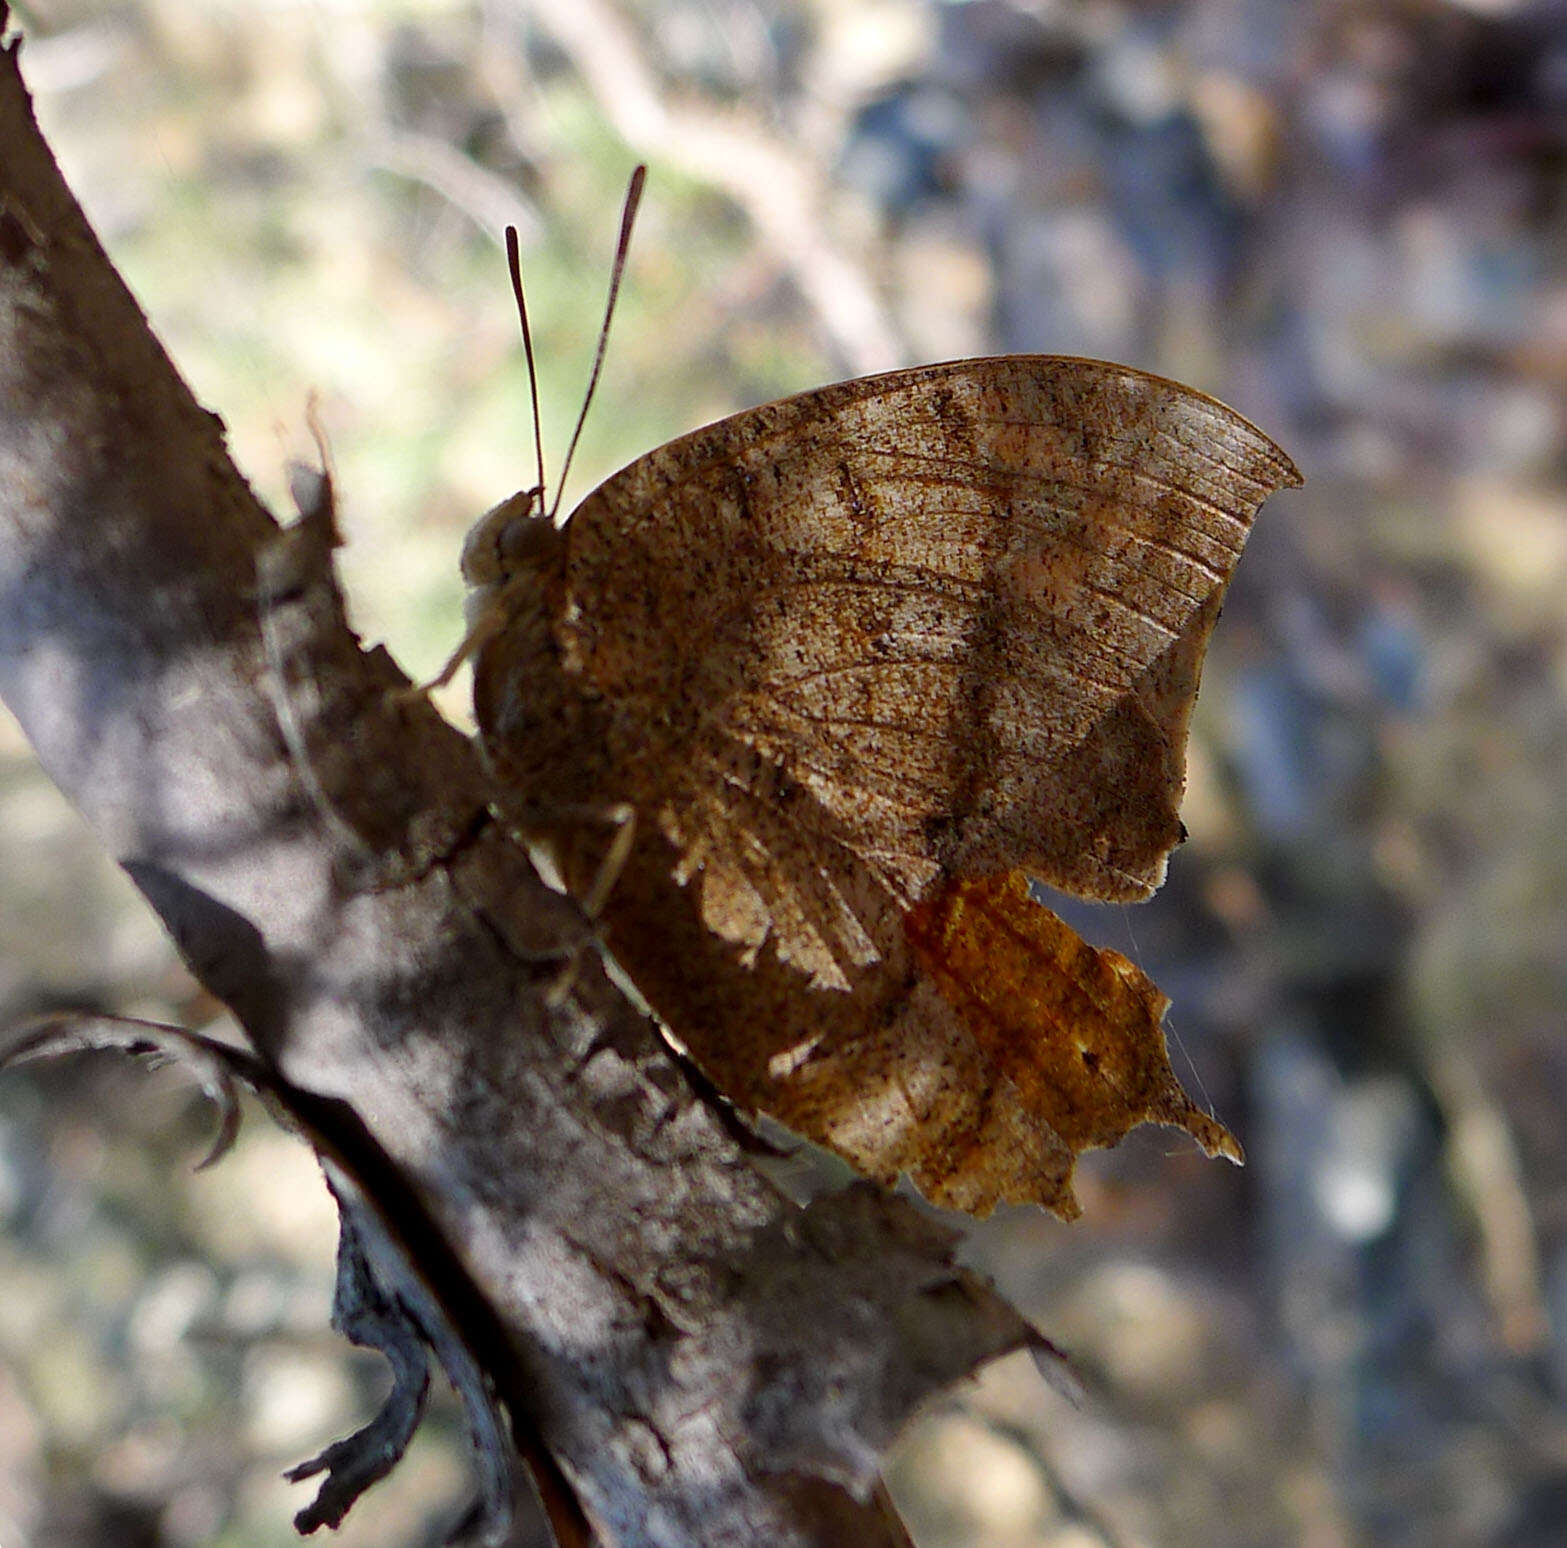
(803, 700)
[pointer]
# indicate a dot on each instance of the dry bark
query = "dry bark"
(535, 1191)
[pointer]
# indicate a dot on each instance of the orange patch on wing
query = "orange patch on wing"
(1076, 1029)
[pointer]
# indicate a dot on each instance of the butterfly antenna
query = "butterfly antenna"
(627, 215)
(514, 263)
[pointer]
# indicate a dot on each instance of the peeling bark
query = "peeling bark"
(683, 1356)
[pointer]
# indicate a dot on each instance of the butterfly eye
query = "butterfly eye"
(525, 534)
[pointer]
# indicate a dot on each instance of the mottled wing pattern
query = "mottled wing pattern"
(946, 621)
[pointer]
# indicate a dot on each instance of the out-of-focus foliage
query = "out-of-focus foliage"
(1348, 219)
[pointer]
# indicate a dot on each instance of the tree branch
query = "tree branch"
(684, 1356)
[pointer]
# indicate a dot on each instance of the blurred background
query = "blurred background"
(1347, 219)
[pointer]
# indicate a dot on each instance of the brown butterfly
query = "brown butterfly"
(859, 663)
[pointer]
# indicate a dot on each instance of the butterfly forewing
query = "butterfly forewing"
(960, 610)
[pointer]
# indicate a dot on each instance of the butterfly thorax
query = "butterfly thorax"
(542, 734)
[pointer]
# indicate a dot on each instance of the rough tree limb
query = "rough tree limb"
(546, 1203)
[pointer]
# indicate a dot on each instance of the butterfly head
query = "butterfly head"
(510, 539)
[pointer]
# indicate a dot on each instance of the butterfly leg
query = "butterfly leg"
(498, 606)
(622, 816)
(485, 627)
